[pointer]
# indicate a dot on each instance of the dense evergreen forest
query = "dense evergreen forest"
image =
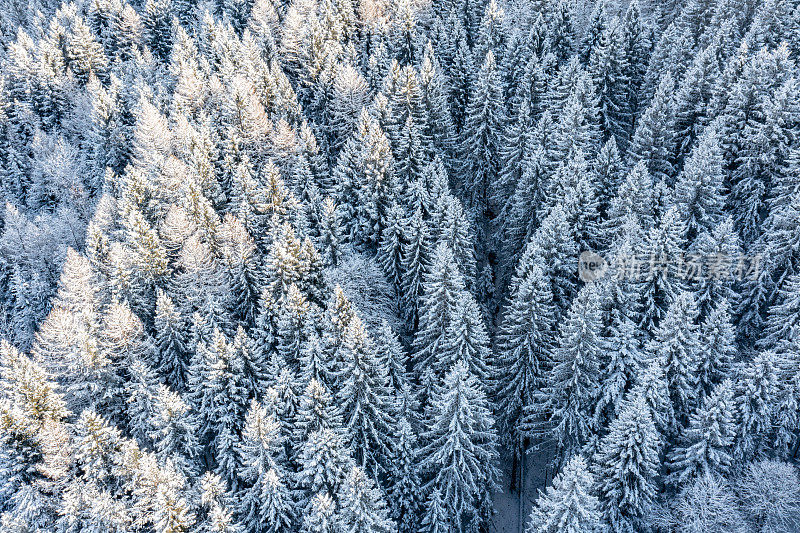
(400, 266)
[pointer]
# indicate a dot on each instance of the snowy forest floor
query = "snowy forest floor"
(507, 503)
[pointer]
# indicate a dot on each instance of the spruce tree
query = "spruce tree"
(569, 504)
(526, 341)
(574, 386)
(626, 466)
(705, 445)
(461, 452)
(481, 138)
(676, 344)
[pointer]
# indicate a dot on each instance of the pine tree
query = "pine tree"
(561, 34)
(634, 199)
(244, 269)
(460, 454)
(635, 44)
(609, 169)
(216, 499)
(439, 127)
(443, 286)
(525, 340)
(324, 463)
(363, 177)
(756, 395)
(652, 142)
(529, 193)
(436, 519)
(388, 346)
(651, 386)
(316, 411)
(405, 487)
(32, 412)
(174, 431)
(293, 315)
(706, 443)
(83, 54)
(365, 399)
(141, 389)
(319, 516)
(664, 245)
(551, 245)
(466, 338)
(481, 138)
(720, 247)
(265, 503)
(363, 507)
(158, 27)
(451, 225)
(626, 467)
(699, 188)
(620, 366)
(676, 344)
(170, 341)
(569, 504)
(219, 398)
(574, 385)
(415, 258)
(331, 234)
(717, 343)
(390, 256)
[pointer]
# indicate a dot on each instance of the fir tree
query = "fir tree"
(574, 386)
(706, 443)
(569, 504)
(676, 344)
(481, 138)
(460, 454)
(626, 467)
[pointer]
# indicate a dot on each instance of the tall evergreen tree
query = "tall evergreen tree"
(481, 139)
(706, 443)
(626, 466)
(569, 504)
(574, 386)
(461, 452)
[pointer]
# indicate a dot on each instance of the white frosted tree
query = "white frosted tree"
(626, 466)
(705, 445)
(569, 504)
(460, 454)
